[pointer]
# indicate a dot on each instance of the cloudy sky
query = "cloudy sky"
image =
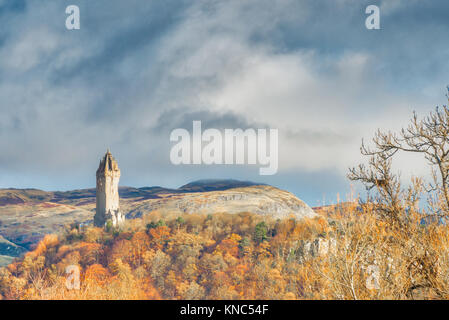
(138, 69)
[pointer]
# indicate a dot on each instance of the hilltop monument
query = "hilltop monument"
(108, 208)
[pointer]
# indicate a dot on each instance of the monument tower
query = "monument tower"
(108, 208)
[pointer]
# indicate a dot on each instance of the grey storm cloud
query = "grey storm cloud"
(180, 118)
(138, 69)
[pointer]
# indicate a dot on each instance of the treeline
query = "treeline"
(220, 256)
(239, 256)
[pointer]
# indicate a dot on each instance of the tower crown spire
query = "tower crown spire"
(107, 164)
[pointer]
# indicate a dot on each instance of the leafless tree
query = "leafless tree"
(428, 136)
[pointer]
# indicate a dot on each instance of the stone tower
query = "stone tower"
(108, 209)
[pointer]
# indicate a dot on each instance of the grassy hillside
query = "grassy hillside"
(9, 251)
(7, 248)
(5, 260)
(21, 196)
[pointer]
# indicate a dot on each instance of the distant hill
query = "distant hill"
(22, 196)
(7, 248)
(9, 251)
(216, 185)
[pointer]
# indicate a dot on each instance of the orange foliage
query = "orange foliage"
(49, 240)
(229, 245)
(218, 258)
(96, 275)
(159, 236)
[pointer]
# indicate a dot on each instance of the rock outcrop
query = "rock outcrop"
(259, 199)
(318, 247)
